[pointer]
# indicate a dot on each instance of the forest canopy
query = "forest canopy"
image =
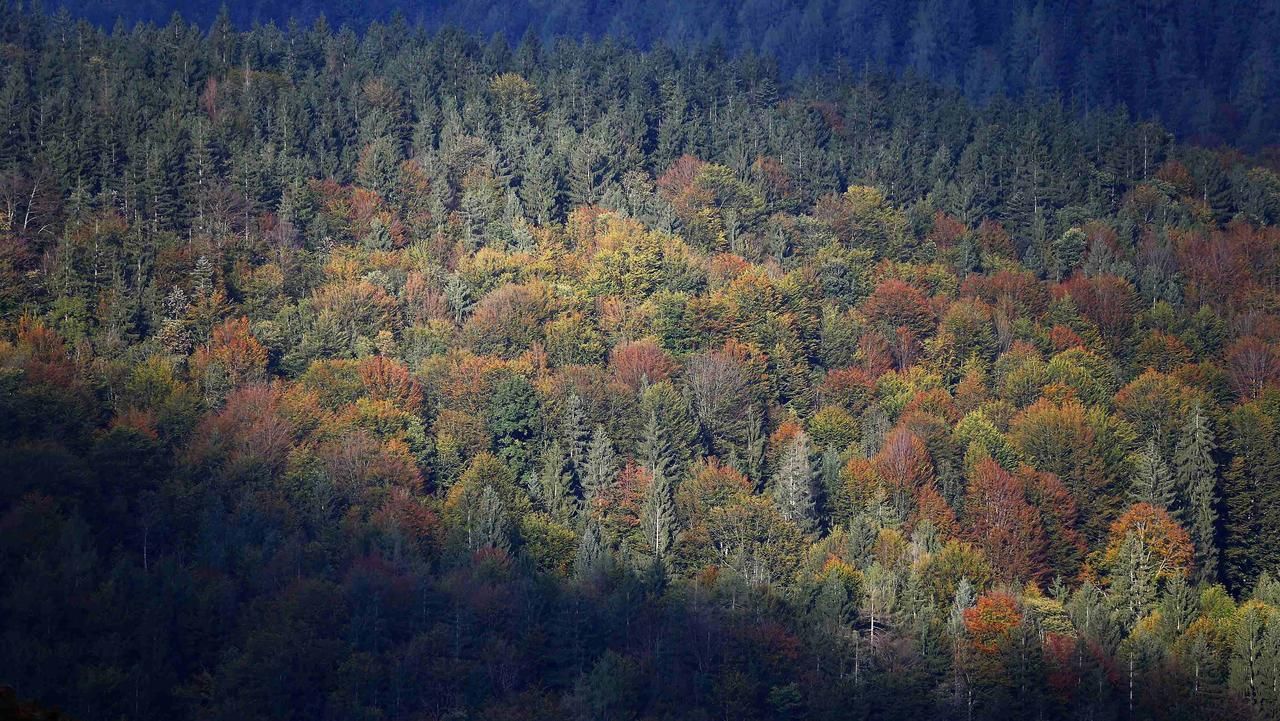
(415, 374)
(1205, 69)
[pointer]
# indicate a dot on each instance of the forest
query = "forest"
(410, 373)
(1207, 70)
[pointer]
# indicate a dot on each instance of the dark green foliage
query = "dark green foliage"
(514, 423)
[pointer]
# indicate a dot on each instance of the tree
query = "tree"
(232, 356)
(1255, 656)
(599, 470)
(657, 519)
(1253, 364)
(1145, 548)
(1058, 438)
(1197, 483)
(991, 632)
(999, 520)
(903, 466)
(1249, 498)
(750, 537)
(638, 364)
(895, 304)
(556, 487)
(576, 435)
(1068, 251)
(513, 421)
(793, 482)
(1152, 483)
(482, 507)
(718, 391)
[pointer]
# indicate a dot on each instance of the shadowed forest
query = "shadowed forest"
(1207, 70)
(418, 374)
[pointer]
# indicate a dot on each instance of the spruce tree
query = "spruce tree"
(1133, 581)
(1152, 482)
(576, 436)
(1197, 484)
(654, 450)
(555, 485)
(600, 471)
(657, 517)
(793, 483)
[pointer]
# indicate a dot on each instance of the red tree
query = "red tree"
(636, 362)
(1003, 524)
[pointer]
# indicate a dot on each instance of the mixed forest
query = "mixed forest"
(412, 374)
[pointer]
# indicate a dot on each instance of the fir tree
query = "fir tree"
(1133, 581)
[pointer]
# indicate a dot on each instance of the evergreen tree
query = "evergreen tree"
(1152, 482)
(577, 436)
(513, 421)
(793, 482)
(555, 482)
(592, 553)
(1133, 581)
(657, 516)
(600, 469)
(1197, 484)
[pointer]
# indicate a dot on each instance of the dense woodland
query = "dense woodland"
(1206, 69)
(409, 375)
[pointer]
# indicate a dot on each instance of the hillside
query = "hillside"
(1206, 70)
(410, 375)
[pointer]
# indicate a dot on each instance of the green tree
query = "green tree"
(599, 470)
(513, 421)
(1197, 484)
(1152, 483)
(555, 481)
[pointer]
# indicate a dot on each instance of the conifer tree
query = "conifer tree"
(1197, 484)
(1133, 581)
(555, 484)
(658, 513)
(793, 482)
(657, 517)
(1152, 482)
(577, 436)
(600, 470)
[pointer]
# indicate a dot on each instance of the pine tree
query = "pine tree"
(793, 483)
(1152, 482)
(1197, 483)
